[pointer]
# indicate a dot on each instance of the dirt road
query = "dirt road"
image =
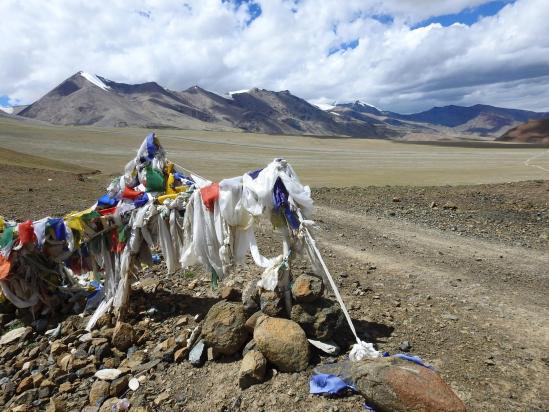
(477, 309)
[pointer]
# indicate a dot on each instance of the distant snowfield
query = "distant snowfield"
(324, 107)
(92, 78)
(239, 91)
(8, 110)
(360, 103)
(230, 94)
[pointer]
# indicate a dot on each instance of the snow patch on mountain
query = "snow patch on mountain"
(361, 103)
(230, 94)
(324, 106)
(239, 91)
(8, 110)
(92, 78)
(358, 103)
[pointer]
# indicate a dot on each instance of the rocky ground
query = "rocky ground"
(455, 275)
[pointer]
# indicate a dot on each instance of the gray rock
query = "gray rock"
(15, 334)
(405, 346)
(197, 355)
(26, 398)
(146, 366)
(271, 303)
(319, 320)
(67, 377)
(250, 298)
(283, 343)
(252, 369)
(7, 391)
(223, 328)
(307, 288)
(80, 354)
(249, 346)
(44, 392)
(101, 351)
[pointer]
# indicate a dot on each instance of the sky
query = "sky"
(399, 55)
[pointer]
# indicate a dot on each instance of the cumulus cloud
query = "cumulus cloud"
(323, 51)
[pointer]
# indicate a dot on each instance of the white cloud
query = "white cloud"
(499, 60)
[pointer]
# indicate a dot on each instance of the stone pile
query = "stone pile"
(72, 369)
(261, 330)
(68, 368)
(123, 365)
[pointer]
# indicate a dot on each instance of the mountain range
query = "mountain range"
(86, 99)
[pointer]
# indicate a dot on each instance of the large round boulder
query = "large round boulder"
(224, 327)
(283, 343)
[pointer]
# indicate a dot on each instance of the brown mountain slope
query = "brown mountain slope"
(86, 99)
(101, 102)
(534, 131)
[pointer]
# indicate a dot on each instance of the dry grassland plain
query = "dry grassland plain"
(318, 161)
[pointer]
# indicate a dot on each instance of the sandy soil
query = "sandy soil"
(466, 285)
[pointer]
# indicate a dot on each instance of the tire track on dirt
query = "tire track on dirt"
(437, 259)
(527, 161)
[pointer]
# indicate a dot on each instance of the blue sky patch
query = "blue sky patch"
(468, 16)
(254, 9)
(4, 101)
(353, 44)
(383, 18)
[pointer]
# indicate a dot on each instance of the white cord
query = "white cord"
(361, 349)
